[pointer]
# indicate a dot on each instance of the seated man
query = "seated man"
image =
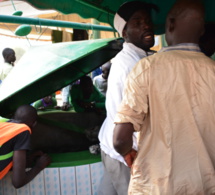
(14, 143)
(46, 103)
(85, 97)
(66, 96)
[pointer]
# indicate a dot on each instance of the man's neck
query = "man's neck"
(184, 41)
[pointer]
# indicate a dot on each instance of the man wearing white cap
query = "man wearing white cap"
(133, 22)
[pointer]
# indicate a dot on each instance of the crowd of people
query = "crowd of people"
(86, 94)
(158, 135)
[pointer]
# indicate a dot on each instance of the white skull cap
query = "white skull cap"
(126, 10)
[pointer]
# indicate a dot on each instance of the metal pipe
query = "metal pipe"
(96, 34)
(54, 23)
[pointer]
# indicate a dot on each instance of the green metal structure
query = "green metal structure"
(46, 69)
(54, 23)
(104, 10)
(43, 70)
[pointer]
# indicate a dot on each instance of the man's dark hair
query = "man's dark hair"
(183, 11)
(6, 51)
(26, 114)
(85, 79)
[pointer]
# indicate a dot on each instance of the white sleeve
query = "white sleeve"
(65, 94)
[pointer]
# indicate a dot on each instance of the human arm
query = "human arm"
(32, 156)
(38, 104)
(131, 115)
(122, 138)
(123, 142)
(20, 147)
(76, 99)
(115, 85)
(20, 176)
(95, 81)
(99, 99)
(65, 98)
(54, 102)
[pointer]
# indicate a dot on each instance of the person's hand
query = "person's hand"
(86, 105)
(41, 108)
(129, 157)
(32, 157)
(89, 105)
(43, 161)
(65, 106)
(81, 103)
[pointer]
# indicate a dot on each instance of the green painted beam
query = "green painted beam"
(73, 159)
(55, 23)
(97, 8)
(104, 10)
(48, 68)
